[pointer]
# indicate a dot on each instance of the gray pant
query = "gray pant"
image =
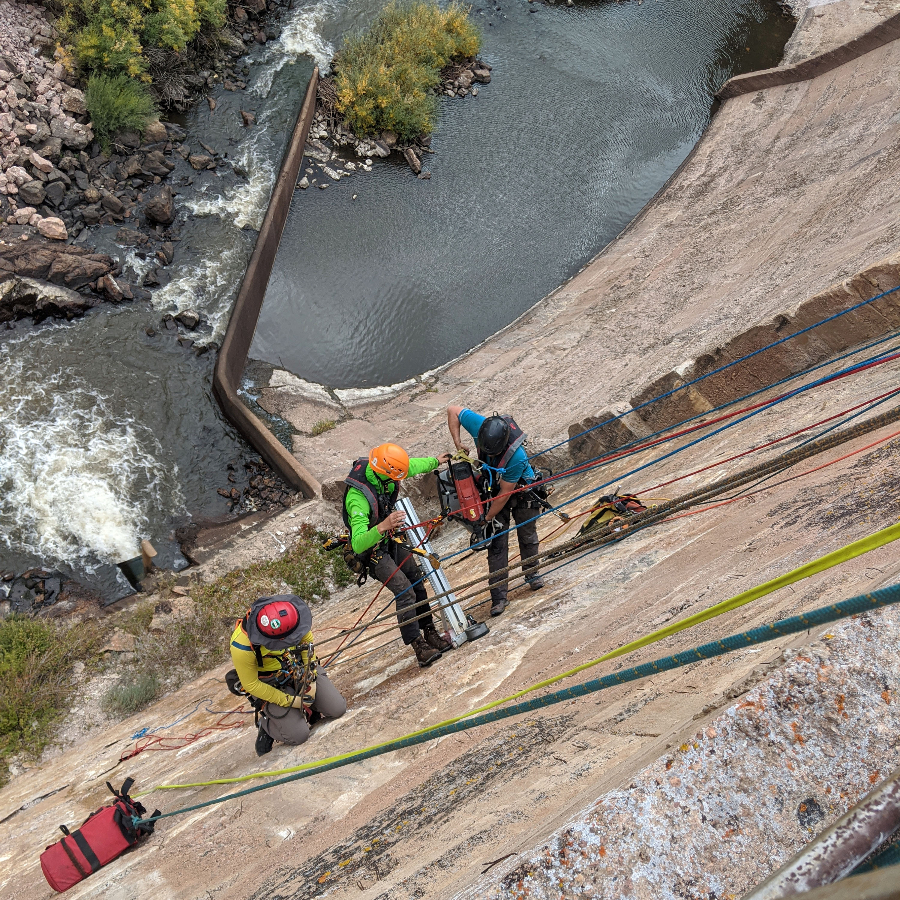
(289, 725)
(410, 603)
(498, 551)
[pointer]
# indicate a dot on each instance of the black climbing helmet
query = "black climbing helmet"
(493, 436)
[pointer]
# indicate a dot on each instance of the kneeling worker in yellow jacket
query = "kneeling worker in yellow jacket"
(275, 662)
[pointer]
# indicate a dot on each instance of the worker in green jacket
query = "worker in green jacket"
(370, 494)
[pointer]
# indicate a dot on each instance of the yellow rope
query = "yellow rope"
(851, 551)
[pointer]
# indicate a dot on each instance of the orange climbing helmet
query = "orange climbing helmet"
(390, 461)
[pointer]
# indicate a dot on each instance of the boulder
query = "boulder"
(382, 149)
(82, 180)
(111, 203)
(39, 162)
(92, 214)
(53, 228)
(72, 134)
(130, 167)
(190, 318)
(30, 298)
(50, 148)
(129, 139)
(73, 102)
(55, 192)
(156, 164)
(200, 161)
(414, 162)
(155, 133)
(160, 208)
(482, 76)
(109, 286)
(32, 193)
(248, 118)
(17, 175)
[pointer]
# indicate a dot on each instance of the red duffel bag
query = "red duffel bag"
(105, 834)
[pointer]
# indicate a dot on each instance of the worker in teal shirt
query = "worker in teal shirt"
(371, 492)
(499, 442)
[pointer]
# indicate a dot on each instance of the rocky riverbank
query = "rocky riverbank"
(328, 162)
(59, 189)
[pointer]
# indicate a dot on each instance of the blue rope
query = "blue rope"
(721, 369)
(653, 462)
(145, 731)
(792, 625)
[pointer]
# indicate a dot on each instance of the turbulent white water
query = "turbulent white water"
(75, 475)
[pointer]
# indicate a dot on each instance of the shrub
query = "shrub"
(117, 103)
(35, 665)
(131, 693)
(385, 77)
(110, 36)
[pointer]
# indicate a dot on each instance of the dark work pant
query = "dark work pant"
(410, 603)
(498, 551)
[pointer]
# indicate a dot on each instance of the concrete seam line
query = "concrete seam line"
(245, 315)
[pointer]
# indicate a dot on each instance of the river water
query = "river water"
(109, 434)
(590, 109)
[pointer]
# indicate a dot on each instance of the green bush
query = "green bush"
(385, 77)
(117, 103)
(110, 36)
(131, 693)
(35, 677)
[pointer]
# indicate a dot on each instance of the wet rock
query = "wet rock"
(200, 161)
(160, 208)
(110, 287)
(211, 101)
(32, 193)
(303, 183)
(248, 118)
(52, 228)
(260, 37)
(167, 252)
(414, 162)
(21, 597)
(482, 75)
(63, 264)
(22, 298)
(190, 318)
(156, 164)
(382, 149)
(128, 237)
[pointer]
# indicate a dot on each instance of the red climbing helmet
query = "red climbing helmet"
(277, 618)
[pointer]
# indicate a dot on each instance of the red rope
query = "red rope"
(786, 480)
(785, 437)
(158, 742)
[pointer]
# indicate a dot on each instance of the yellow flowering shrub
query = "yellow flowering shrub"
(109, 36)
(385, 76)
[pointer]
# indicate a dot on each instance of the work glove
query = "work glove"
(485, 533)
(306, 698)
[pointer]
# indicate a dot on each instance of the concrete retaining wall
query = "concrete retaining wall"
(233, 355)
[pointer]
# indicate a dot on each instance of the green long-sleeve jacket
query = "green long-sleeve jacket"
(362, 537)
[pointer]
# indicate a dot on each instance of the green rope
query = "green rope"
(793, 625)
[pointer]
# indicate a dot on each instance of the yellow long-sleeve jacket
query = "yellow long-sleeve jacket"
(244, 658)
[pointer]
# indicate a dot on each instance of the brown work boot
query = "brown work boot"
(425, 653)
(436, 640)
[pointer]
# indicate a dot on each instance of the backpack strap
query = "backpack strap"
(72, 856)
(256, 649)
(86, 850)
